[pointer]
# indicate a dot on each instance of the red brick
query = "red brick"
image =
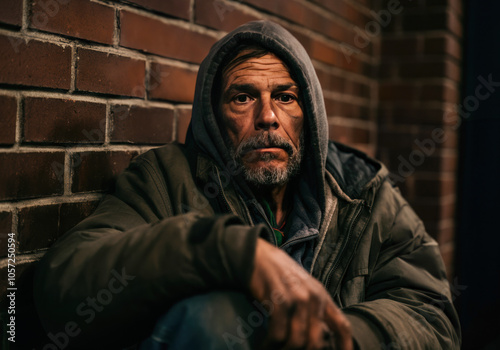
(443, 45)
(446, 233)
(183, 120)
(397, 140)
(357, 89)
(168, 40)
(332, 56)
(299, 13)
(134, 124)
(430, 69)
(444, 137)
(34, 63)
(365, 3)
(456, 5)
(5, 228)
(8, 108)
(174, 84)
(443, 163)
(349, 134)
(71, 214)
(176, 8)
(402, 115)
(110, 74)
(397, 47)
(11, 12)
(400, 91)
(97, 171)
(28, 175)
(437, 187)
(40, 226)
(439, 92)
(346, 10)
(220, 15)
(346, 109)
(442, 20)
(331, 82)
(76, 18)
(428, 211)
(63, 121)
(436, 162)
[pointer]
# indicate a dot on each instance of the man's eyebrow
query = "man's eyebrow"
(251, 87)
(284, 87)
(240, 87)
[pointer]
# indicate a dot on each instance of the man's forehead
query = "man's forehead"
(268, 66)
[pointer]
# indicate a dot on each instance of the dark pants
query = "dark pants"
(217, 320)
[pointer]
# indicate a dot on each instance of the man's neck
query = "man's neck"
(277, 199)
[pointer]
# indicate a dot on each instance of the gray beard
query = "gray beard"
(269, 176)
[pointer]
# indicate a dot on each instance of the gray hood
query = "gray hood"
(204, 131)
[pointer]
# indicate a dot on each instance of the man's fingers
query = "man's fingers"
(278, 324)
(338, 323)
(299, 323)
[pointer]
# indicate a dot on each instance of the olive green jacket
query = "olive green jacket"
(174, 227)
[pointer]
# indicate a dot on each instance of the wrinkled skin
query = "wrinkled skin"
(258, 96)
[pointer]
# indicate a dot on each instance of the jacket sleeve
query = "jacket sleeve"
(109, 278)
(407, 303)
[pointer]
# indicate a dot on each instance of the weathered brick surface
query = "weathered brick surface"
(346, 10)
(72, 18)
(171, 83)
(446, 44)
(63, 121)
(11, 12)
(34, 63)
(133, 124)
(56, 219)
(8, 115)
(96, 171)
(29, 175)
(345, 134)
(220, 14)
(110, 74)
(168, 40)
(176, 8)
(183, 120)
(418, 132)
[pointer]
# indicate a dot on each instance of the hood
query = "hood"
(204, 131)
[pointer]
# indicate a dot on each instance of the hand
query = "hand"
(302, 315)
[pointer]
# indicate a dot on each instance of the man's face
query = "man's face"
(263, 119)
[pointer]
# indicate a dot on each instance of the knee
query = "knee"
(226, 316)
(217, 320)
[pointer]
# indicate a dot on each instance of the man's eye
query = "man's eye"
(286, 98)
(241, 98)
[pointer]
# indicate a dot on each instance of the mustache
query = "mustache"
(265, 140)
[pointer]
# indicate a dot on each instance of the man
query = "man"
(258, 214)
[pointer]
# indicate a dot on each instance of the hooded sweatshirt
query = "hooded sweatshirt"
(181, 222)
(204, 132)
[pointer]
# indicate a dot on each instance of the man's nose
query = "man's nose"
(266, 117)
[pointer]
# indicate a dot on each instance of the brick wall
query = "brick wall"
(87, 85)
(419, 90)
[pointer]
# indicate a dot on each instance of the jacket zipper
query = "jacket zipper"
(225, 201)
(337, 259)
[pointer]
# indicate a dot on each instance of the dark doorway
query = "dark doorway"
(478, 254)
